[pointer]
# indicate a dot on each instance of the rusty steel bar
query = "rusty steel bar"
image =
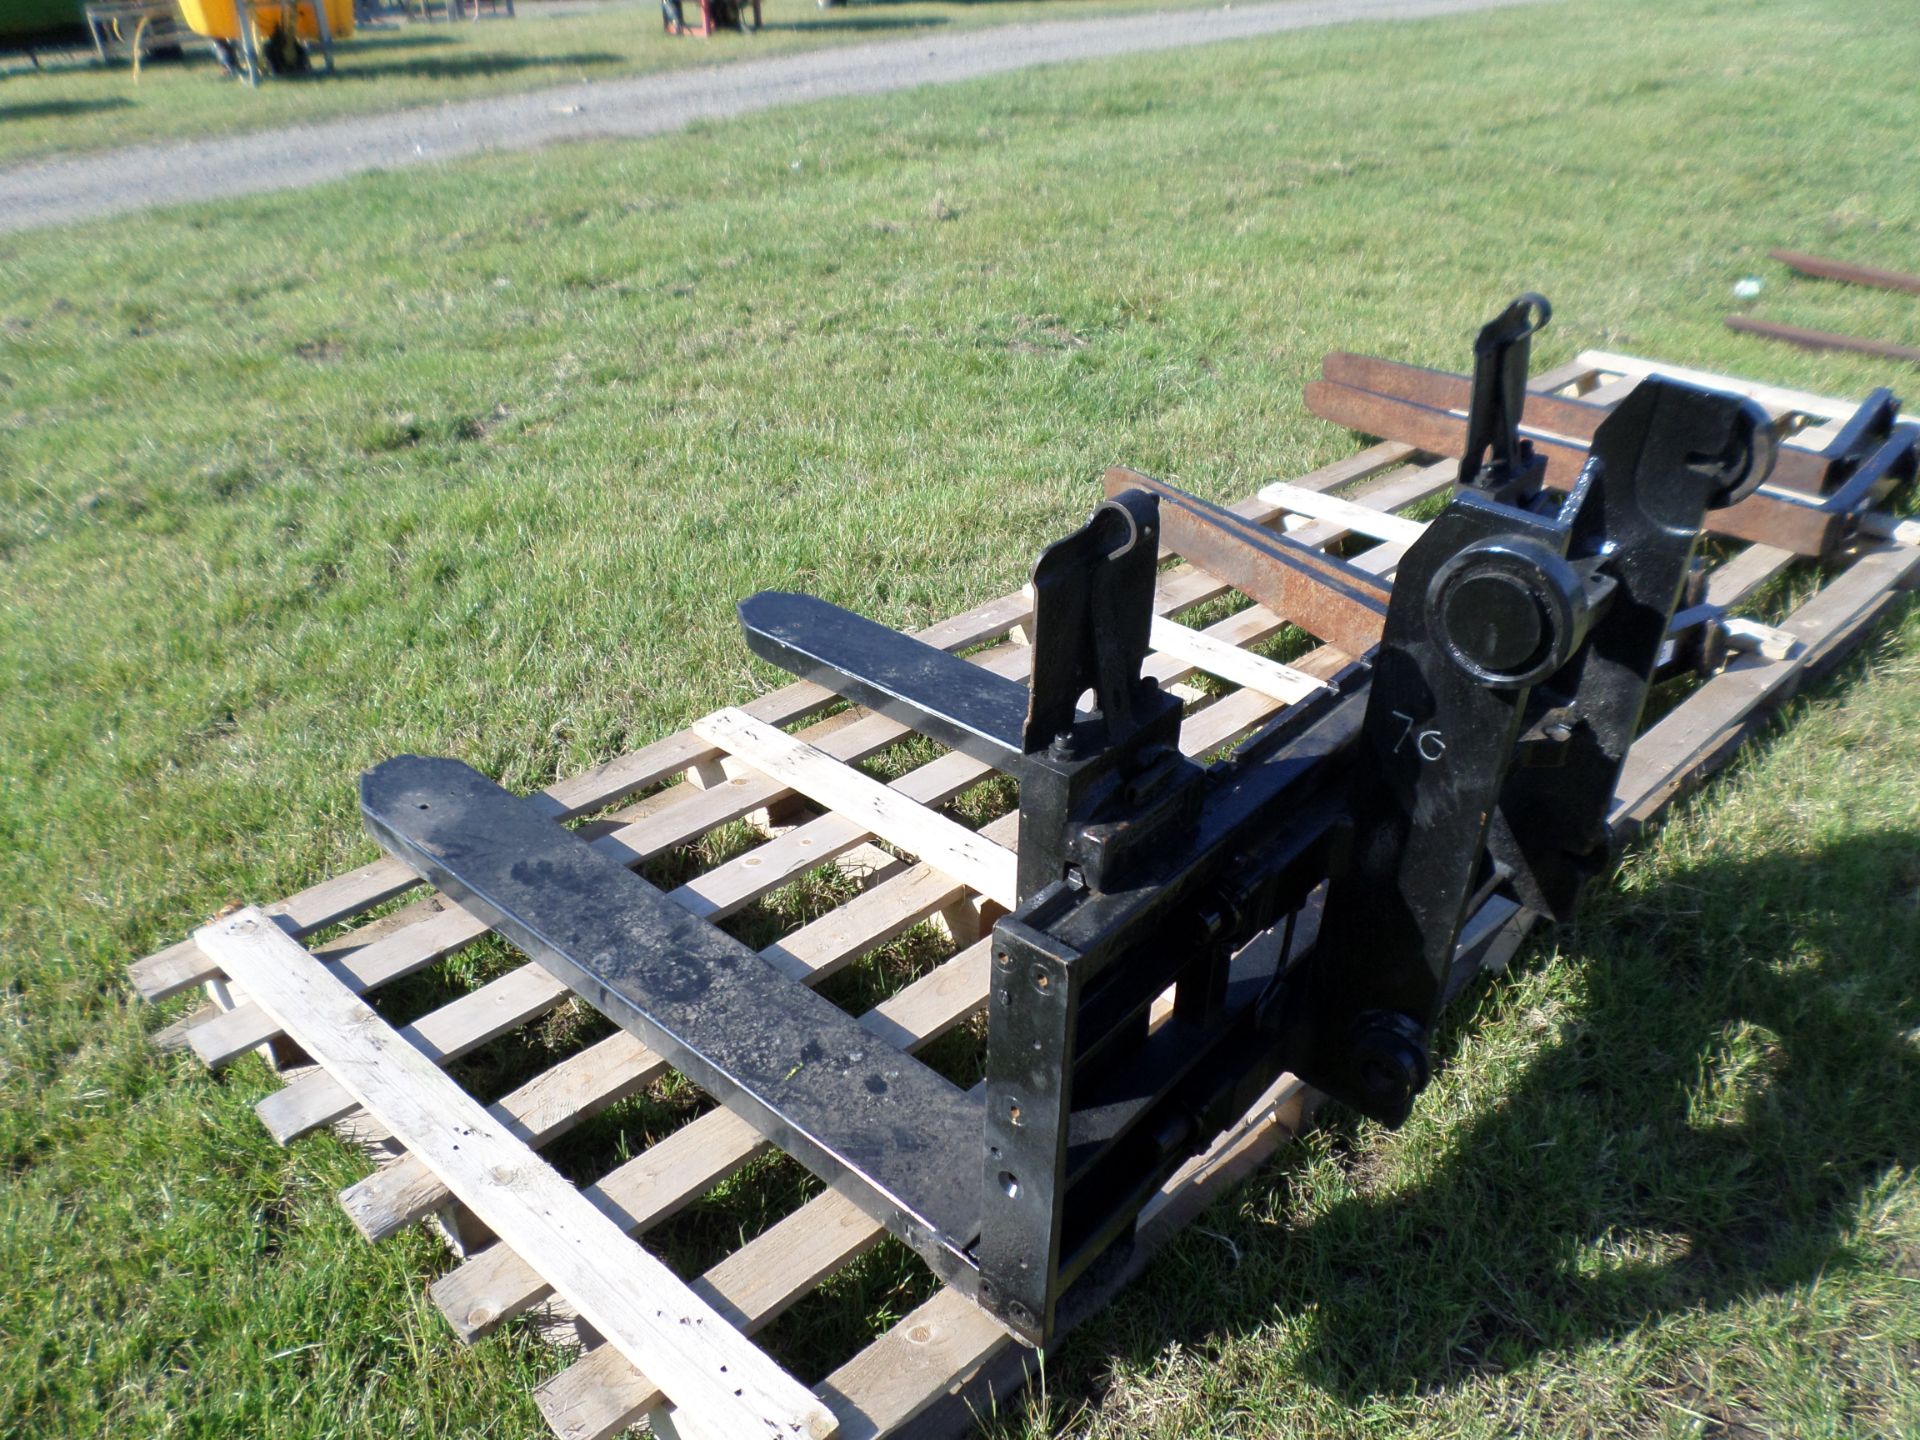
(1324, 595)
(1444, 390)
(1804, 527)
(1799, 469)
(1823, 339)
(1822, 268)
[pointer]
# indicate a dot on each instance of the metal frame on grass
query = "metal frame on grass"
(475, 1168)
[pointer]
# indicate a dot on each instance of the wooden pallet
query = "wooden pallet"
(475, 1169)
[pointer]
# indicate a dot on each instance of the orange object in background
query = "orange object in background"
(220, 19)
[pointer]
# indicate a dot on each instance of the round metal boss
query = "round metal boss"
(1508, 611)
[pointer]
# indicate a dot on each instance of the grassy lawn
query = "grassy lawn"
(73, 104)
(477, 462)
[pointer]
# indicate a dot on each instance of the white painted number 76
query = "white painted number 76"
(1427, 744)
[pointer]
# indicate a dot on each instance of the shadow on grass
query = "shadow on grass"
(857, 5)
(839, 20)
(1735, 1079)
(49, 109)
(459, 67)
(378, 42)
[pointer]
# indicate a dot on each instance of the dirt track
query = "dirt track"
(60, 191)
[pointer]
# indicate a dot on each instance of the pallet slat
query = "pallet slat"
(455, 1029)
(1360, 518)
(545, 1108)
(1689, 740)
(727, 1384)
(498, 1284)
(1229, 662)
(407, 1190)
(945, 844)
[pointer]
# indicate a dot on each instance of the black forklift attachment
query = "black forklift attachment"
(1186, 931)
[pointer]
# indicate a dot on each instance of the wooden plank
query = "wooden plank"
(893, 906)
(1364, 465)
(1230, 662)
(724, 889)
(407, 1190)
(181, 966)
(456, 1029)
(902, 1374)
(1777, 398)
(1393, 493)
(543, 1109)
(602, 1394)
(1351, 514)
(751, 1287)
(1731, 583)
(498, 1284)
(727, 1384)
(398, 953)
(1700, 733)
(1888, 527)
(945, 844)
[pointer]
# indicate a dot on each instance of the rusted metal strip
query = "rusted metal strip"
(1800, 470)
(1324, 595)
(1822, 268)
(1445, 390)
(1823, 339)
(1804, 527)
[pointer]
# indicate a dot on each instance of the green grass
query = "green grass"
(477, 461)
(72, 104)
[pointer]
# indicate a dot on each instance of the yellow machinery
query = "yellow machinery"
(221, 19)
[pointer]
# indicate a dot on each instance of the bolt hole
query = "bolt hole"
(421, 806)
(1010, 1183)
(1004, 958)
(1013, 1112)
(1042, 981)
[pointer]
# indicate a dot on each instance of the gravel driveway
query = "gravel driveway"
(58, 191)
